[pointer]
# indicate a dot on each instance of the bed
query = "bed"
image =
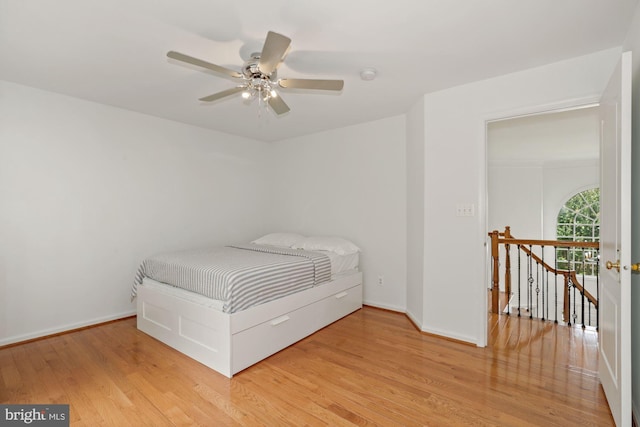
(252, 301)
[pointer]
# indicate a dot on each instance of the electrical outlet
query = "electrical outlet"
(380, 280)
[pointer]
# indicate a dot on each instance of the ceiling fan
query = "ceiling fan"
(258, 78)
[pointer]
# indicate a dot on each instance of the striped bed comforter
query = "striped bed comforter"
(241, 276)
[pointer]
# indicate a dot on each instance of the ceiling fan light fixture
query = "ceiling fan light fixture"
(246, 94)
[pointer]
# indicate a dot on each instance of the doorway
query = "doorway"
(536, 164)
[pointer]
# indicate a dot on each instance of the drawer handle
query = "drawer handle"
(279, 320)
(341, 295)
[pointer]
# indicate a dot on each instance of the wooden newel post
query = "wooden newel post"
(495, 276)
(507, 265)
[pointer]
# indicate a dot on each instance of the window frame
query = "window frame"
(582, 260)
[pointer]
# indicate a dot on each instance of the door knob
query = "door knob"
(611, 265)
(636, 266)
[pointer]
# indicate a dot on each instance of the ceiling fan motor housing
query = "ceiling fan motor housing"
(251, 70)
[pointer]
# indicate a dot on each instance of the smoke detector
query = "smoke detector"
(368, 74)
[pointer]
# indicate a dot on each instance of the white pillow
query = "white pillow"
(334, 244)
(287, 240)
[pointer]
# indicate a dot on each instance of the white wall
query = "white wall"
(535, 164)
(633, 43)
(415, 212)
(87, 191)
(455, 172)
(350, 182)
(557, 137)
(515, 198)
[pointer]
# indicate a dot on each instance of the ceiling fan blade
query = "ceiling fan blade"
(273, 51)
(278, 105)
(311, 84)
(204, 64)
(223, 94)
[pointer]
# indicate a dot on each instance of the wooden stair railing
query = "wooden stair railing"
(569, 276)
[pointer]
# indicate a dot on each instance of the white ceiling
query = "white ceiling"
(114, 51)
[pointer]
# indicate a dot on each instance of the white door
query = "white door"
(615, 243)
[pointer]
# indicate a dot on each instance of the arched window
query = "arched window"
(579, 220)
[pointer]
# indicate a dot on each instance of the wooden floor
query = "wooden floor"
(370, 368)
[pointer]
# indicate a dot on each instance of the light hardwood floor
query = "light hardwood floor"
(370, 368)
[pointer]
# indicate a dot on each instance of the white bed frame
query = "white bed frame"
(229, 343)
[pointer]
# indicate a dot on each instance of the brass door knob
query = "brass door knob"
(611, 265)
(636, 266)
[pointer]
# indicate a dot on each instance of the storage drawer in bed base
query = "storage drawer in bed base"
(231, 343)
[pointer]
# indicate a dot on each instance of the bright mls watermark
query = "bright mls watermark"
(34, 415)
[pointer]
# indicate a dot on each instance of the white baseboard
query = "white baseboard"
(64, 328)
(419, 325)
(384, 306)
(449, 334)
(414, 319)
